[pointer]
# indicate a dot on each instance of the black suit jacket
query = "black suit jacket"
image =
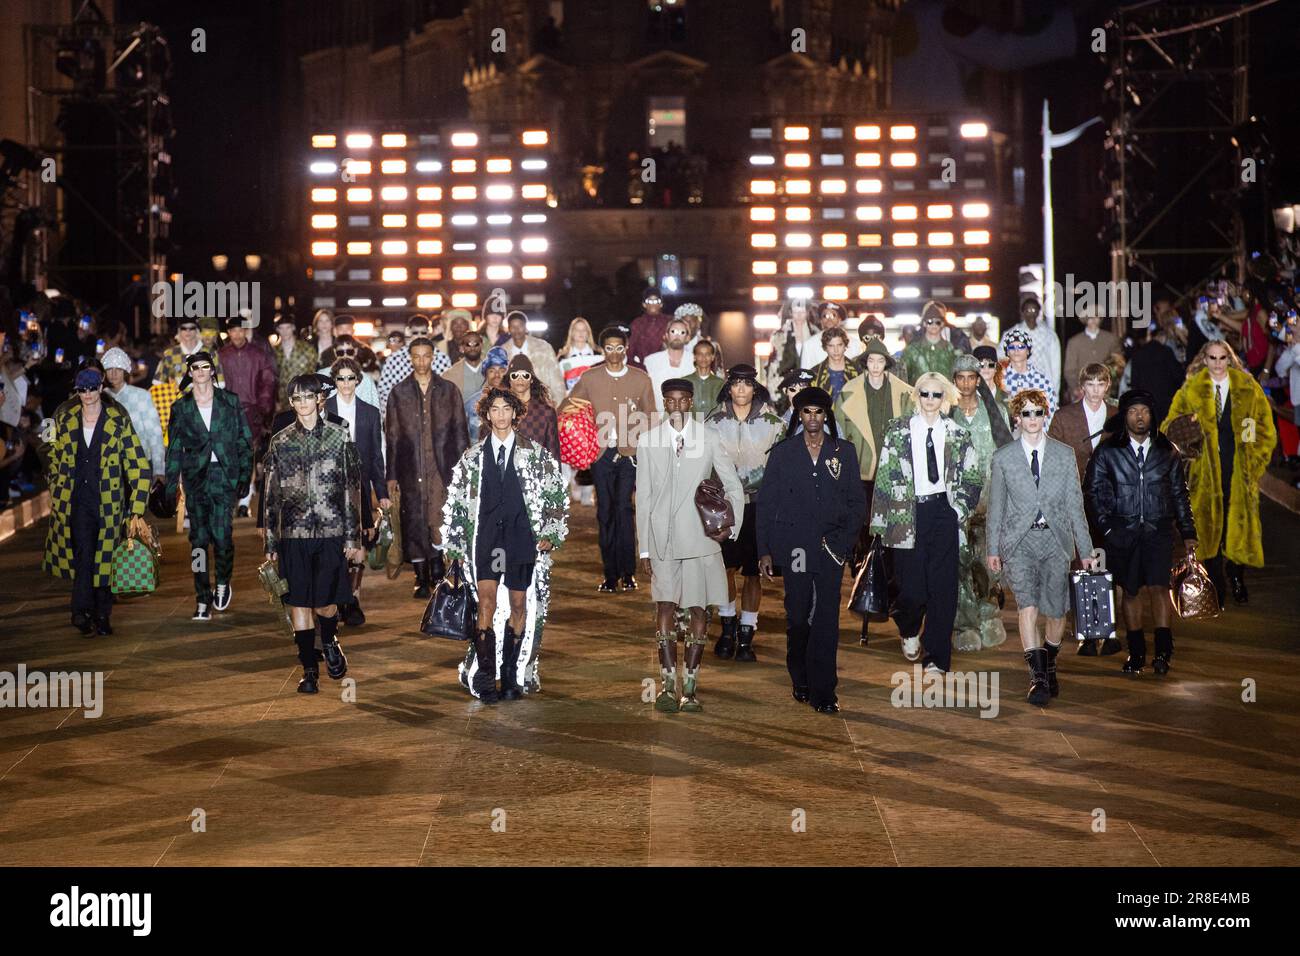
(795, 510)
(370, 449)
(502, 515)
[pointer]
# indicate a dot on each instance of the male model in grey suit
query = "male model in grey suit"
(1036, 523)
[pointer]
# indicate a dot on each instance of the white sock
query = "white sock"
(727, 610)
(749, 618)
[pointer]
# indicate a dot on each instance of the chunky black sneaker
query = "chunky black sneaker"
(221, 598)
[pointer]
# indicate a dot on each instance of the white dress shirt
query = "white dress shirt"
(920, 475)
(1145, 446)
(348, 412)
(497, 444)
(1096, 420)
(1030, 449)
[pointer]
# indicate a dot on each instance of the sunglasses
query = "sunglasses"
(615, 348)
(345, 351)
(87, 388)
(201, 367)
(1032, 413)
(303, 397)
(930, 394)
(988, 364)
(521, 376)
(345, 378)
(932, 322)
(1017, 348)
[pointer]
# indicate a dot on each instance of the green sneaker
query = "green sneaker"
(689, 703)
(666, 702)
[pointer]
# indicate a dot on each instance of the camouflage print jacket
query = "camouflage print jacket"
(312, 485)
(893, 506)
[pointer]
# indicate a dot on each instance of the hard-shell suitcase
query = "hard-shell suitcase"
(1092, 596)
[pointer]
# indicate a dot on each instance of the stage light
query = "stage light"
(392, 140)
(393, 220)
(533, 244)
(393, 301)
(866, 159)
(938, 211)
(762, 159)
(978, 291)
(324, 195)
(464, 300)
(905, 238)
(499, 192)
(428, 300)
(358, 140)
(835, 267)
(975, 237)
(533, 165)
(535, 137)
(798, 160)
(939, 239)
(762, 214)
(464, 140)
(429, 247)
(763, 240)
(428, 193)
(428, 220)
(463, 166)
(974, 130)
(393, 193)
(323, 140)
(799, 267)
(499, 165)
(834, 187)
(533, 191)
(901, 160)
(907, 292)
(869, 213)
(464, 193)
(428, 166)
(907, 266)
(975, 210)
(464, 273)
(464, 246)
(498, 247)
(531, 218)
(798, 187)
(393, 247)
(357, 167)
(902, 132)
(464, 219)
(499, 273)
(762, 351)
(764, 267)
(324, 221)
(798, 214)
(532, 273)
(871, 266)
(796, 133)
(798, 240)
(868, 185)
(870, 240)
(903, 212)
(871, 132)
(834, 240)
(324, 248)
(358, 303)
(871, 292)
(941, 265)
(323, 167)
(502, 219)
(763, 187)
(358, 247)
(393, 274)
(359, 194)
(391, 167)
(799, 292)
(835, 293)
(766, 293)
(219, 262)
(976, 264)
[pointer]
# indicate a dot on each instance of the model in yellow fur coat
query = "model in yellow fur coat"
(1245, 543)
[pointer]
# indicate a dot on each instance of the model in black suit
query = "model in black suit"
(810, 508)
(366, 435)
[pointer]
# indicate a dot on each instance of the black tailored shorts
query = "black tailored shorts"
(743, 552)
(316, 570)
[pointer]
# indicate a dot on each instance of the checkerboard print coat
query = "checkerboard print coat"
(123, 489)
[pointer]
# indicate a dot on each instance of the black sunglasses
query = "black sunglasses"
(933, 322)
(345, 351)
(1032, 413)
(188, 328)
(930, 394)
(82, 389)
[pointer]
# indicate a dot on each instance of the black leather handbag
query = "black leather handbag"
(871, 596)
(160, 503)
(453, 610)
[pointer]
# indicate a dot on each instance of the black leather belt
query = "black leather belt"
(922, 499)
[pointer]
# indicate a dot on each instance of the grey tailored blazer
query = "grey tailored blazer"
(1014, 501)
(668, 525)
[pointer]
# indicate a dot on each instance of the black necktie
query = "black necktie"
(1033, 465)
(1141, 458)
(501, 459)
(931, 462)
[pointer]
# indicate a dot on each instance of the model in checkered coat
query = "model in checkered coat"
(99, 479)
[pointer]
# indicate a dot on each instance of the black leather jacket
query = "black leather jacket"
(1121, 499)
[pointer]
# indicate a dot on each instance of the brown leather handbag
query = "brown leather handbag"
(1192, 591)
(1185, 432)
(715, 510)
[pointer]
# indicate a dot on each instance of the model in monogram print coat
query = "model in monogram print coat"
(923, 516)
(96, 487)
(546, 508)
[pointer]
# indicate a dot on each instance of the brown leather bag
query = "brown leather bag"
(1192, 591)
(1185, 432)
(715, 510)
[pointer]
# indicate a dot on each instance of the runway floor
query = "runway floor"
(201, 722)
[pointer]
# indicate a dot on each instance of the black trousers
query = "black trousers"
(86, 598)
(1219, 568)
(812, 609)
(615, 483)
(927, 581)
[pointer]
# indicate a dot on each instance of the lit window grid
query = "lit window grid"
(794, 252)
(386, 181)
